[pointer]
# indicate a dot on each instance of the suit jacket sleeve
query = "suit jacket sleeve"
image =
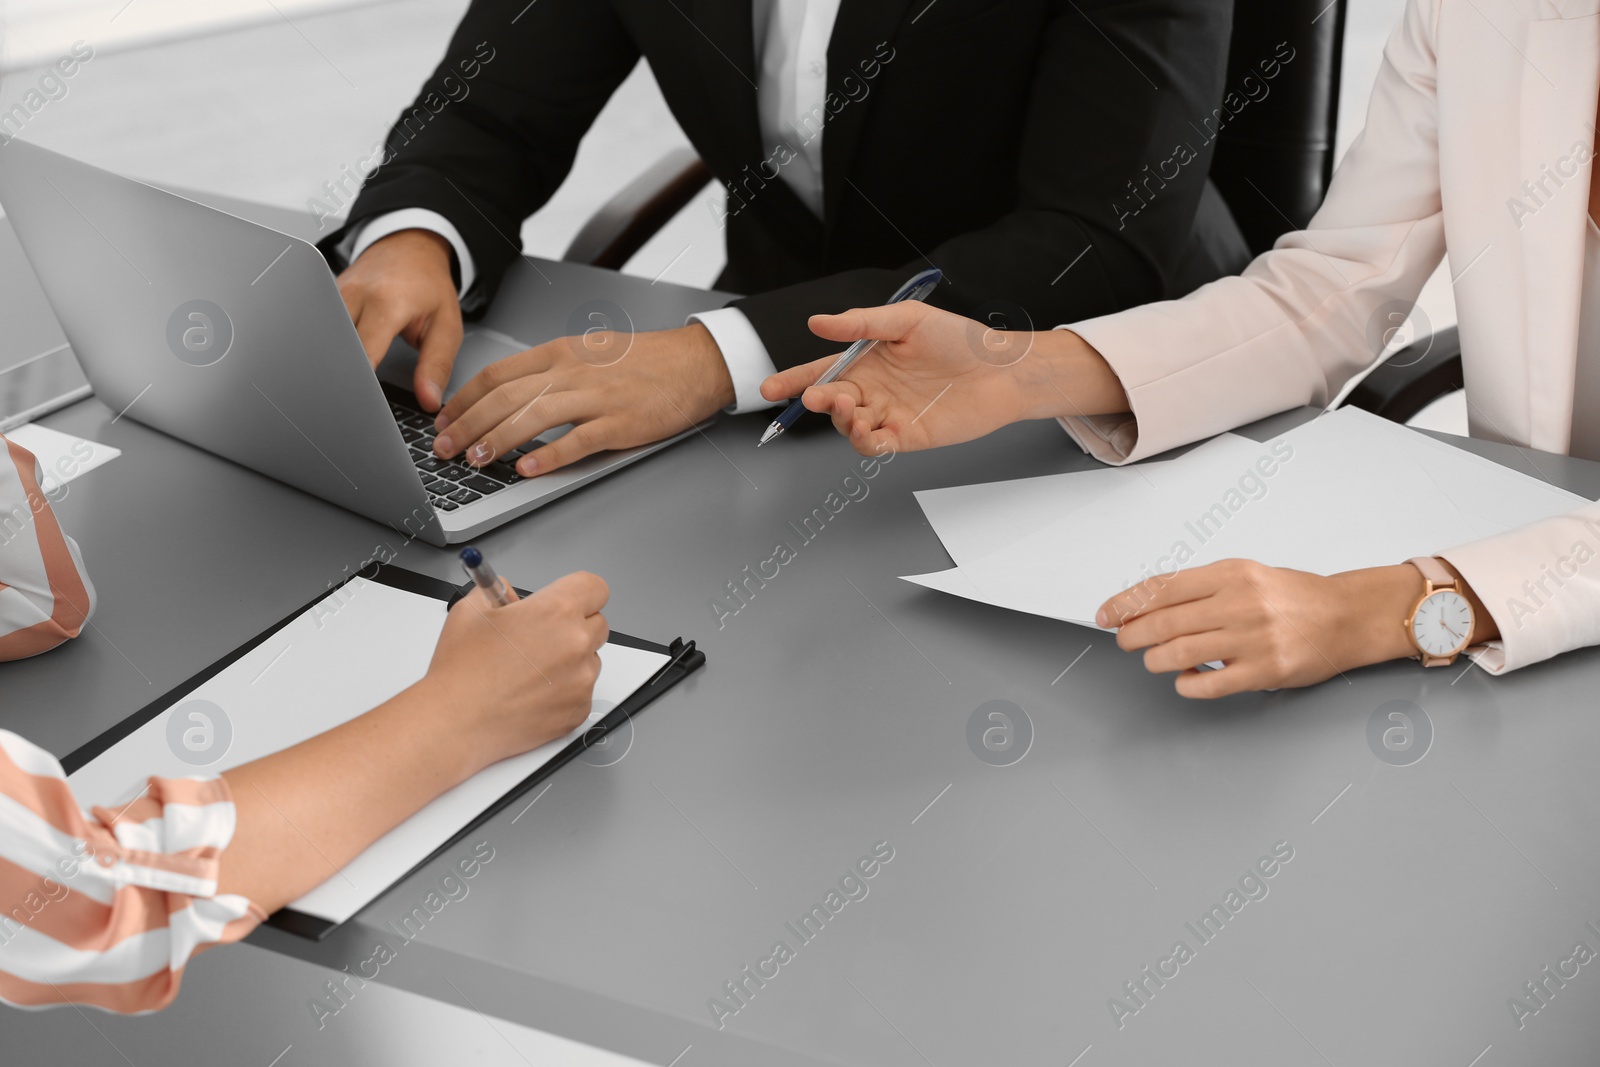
(1116, 87)
(495, 128)
(1311, 313)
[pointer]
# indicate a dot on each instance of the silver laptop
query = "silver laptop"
(232, 336)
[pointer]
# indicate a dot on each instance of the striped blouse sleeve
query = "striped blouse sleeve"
(106, 908)
(45, 595)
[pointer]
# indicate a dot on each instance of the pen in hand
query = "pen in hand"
(483, 575)
(917, 288)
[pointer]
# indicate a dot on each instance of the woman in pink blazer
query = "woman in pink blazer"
(1478, 143)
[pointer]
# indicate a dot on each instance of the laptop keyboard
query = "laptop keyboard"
(450, 484)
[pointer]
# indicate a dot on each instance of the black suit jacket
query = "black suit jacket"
(1023, 146)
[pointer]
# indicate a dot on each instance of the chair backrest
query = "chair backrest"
(1274, 156)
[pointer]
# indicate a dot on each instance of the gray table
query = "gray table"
(833, 715)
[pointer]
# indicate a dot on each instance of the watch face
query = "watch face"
(1443, 623)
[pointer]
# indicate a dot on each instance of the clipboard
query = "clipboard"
(683, 659)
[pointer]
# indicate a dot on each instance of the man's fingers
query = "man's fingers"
(492, 377)
(526, 423)
(436, 355)
(505, 419)
(888, 323)
(352, 295)
(378, 325)
(792, 382)
(584, 439)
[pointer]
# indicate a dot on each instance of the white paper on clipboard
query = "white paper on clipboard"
(353, 650)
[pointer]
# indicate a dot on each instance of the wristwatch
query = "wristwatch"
(1440, 624)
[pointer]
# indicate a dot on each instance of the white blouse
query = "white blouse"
(1586, 386)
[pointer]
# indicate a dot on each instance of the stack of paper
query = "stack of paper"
(1343, 491)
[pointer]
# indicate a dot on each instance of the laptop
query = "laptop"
(232, 336)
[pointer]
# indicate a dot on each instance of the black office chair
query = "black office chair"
(1274, 160)
(1272, 164)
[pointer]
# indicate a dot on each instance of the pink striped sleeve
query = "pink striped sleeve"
(45, 596)
(106, 909)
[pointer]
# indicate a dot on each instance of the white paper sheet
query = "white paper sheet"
(1346, 490)
(974, 521)
(358, 647)
(62, 456)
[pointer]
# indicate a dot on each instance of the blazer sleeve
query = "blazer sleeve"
(1309, 314)
(1116, 87)
(45, 595)
(1537, 583)
(106, 908)
(495, 128)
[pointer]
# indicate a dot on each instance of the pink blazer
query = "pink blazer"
(1478, 144)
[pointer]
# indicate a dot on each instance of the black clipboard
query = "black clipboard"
(683, 660)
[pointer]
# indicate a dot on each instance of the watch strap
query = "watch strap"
(1433, 572)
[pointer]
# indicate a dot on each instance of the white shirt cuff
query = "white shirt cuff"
(411, 218)
(746, 357)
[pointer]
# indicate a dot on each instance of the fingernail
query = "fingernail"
(441, 421)
(443, 445)
(482, 453)
(527, 465)
(1103, 618)
(430, 395)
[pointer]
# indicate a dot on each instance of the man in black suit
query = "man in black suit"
(1022, 146)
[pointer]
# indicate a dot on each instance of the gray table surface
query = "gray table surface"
(833, 715)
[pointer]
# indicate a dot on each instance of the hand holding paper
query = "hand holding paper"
(1346, 495)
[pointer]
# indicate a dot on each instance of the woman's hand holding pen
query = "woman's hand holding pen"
(939, 379)
(512, 678)
(503, 680)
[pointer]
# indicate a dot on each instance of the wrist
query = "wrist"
(1378, 600)
(433, 248)
(1065, 377)
(425, 713)
(718, 378)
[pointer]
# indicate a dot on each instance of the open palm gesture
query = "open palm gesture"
(934, 378)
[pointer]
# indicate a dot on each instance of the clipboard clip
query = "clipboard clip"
(677, 652)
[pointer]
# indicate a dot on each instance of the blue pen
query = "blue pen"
(481, 573)
(917, 288)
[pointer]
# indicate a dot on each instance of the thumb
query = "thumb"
(890, 322)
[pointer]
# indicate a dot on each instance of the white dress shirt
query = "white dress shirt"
(791, 43)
